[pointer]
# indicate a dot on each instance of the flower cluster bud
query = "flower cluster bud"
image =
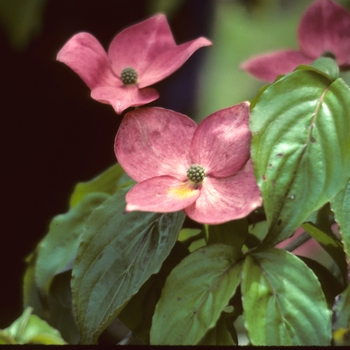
(196, 173)
(128, 76)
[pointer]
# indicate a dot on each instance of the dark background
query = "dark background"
(53, 134)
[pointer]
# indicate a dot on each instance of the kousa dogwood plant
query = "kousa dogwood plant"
(137, 58)
(199, 228)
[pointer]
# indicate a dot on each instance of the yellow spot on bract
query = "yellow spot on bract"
(183, 191)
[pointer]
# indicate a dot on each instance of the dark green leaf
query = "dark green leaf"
(232, 233)
(57, 251)
(118, 253)
(137, 314)
(331, 245)
(330, 284)
(107, 182)
(340, 205)
(31, 295)
(195, 293)
(283, 301)
(300, 148)
(219, 335)
(192, 238)
(60, 308)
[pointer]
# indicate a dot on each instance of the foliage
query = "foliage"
(104, 267)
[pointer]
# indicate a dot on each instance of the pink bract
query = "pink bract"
(148, 47)
(156, 147)
(324, 29)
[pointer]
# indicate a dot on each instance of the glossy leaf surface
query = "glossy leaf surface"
(195, 293)
(300, 146)
(283, 301)
(118, 253)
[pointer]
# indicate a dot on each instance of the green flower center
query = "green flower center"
(128, 76)
(196, 173)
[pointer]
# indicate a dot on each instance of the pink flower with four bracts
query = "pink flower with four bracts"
(139, 56)
(324, 30)
(205, 170)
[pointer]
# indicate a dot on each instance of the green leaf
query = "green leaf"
(331, 245)
(57, 251)
(340, 205)
(326, 66)
(331, 286)
(118, 253)
(341, 318)
(107, 182)
(137, 314)
(30, 329)
(232, 233)
(31, 295)
(300, 148)
(192, 238)
(283, 301)
(219, 335)
(195, 293)
(60, 308)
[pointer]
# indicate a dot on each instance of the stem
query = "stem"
(304, 237)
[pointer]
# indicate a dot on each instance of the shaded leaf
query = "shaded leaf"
(118, 253)
(31, 295)
(232, 233)
(340, 205)
(331, 286)
(300, 147)
(219, 335)
(137, 314)
(57, 251)
(283, 301)
(60, 308)
(106, 182)
(195, 293)
(330, 243)
(192, 238)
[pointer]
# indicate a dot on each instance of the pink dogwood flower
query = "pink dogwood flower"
(206, 170)
(324, 30)
(138, 57)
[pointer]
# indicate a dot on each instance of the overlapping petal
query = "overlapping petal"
(147, 47)
(225, 199)
(156, 147)
(170, 61)
(123, 97)
(268, 66)
(325, 26)
(85, 55)
(140, 44)
(154, 141)
(163, 194)
(221, 143)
